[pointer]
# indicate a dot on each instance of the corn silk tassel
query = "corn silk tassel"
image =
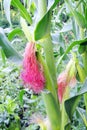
(32, 73)
(65, 79)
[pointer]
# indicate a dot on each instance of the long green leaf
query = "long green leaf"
(83, 115)
(22, 10)
(9, 51)
(84, 41)
(26, 30)
(52, 4)
(55, 3)
(7, 9)
(14, 32)
(71, 104)
(3, 56)
(42, 28)
(80, 19)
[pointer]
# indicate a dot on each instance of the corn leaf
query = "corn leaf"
(16, 31)
(42, 28)
(71, 104)
(7, 9)
(82, 42)
(22, 10)
(9, 51)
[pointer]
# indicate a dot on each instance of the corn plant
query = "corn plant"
(39, 70)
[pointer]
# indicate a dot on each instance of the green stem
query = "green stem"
(64, 116)
(49, 81)
(85, 61)
(52, 110)
(84, 57)
(48, 50)
(85, 68)
(82, 35)
(50, 99)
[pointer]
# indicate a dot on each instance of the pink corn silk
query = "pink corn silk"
(63, 82)
(32, 73)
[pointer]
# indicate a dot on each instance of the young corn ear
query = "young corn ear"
(32, 73)
(65, 79)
